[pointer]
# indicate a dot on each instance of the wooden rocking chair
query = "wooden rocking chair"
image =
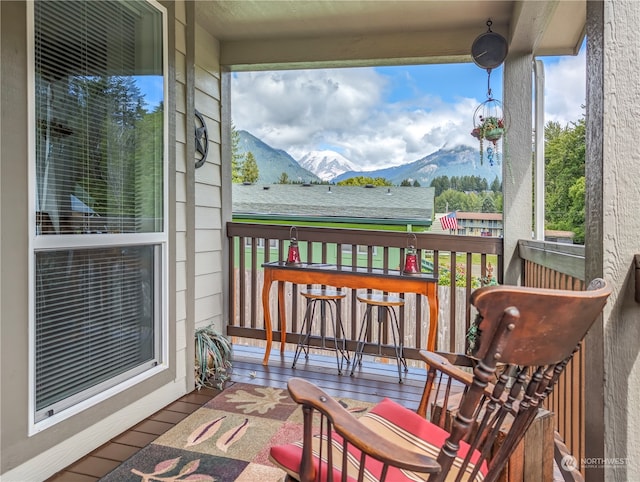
(467, 425)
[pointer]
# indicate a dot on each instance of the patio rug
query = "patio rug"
(228, 439)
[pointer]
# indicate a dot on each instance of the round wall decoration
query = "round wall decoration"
(202, 140)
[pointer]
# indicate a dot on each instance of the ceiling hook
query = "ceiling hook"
(489, 23)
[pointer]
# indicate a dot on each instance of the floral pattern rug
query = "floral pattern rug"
(228, 439)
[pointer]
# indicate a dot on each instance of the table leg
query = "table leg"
(432, 296)
(283, 318)
(267, 315)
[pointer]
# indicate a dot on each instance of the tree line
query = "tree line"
(467, 193)
(565, 178)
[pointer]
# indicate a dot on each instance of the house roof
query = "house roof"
(400, 205)
(479, 216)
(323, 33)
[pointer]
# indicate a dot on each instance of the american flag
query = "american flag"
(449, 221)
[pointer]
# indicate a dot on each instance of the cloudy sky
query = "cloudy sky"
(381, 117)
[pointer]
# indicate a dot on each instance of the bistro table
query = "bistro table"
(389, 280)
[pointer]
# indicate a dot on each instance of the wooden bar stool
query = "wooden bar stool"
(387, 304)
(323, 298)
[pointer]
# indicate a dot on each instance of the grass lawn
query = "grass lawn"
(375, 227)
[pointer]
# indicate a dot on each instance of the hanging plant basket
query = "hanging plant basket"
(489, 124)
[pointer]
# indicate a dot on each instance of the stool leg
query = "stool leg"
(397, 342)
(357, 356)
(334, 326)
(343, 336)
(303, 341)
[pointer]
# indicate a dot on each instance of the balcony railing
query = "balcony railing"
(561, 266)
(461, 264)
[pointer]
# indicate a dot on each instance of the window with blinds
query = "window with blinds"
(100, 237)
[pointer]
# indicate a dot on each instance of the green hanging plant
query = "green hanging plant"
(489, 128)
(213, 358)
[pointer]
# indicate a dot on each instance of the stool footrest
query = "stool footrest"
(324, 298)
(384, 303)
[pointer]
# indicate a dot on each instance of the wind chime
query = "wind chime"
(489, 119)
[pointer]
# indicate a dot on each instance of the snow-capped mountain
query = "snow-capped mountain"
(457, 161)
(326, 164)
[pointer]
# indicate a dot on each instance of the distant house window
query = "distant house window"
(361, 250)
(99, 244)
(273, 243)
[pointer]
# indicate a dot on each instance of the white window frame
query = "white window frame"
(61, 242)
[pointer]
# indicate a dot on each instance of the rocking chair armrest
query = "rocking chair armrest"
(448, 363)
(457, 359)
(445, 363)
(361, 437)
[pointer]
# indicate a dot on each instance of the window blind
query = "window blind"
(99, 174)
(99, 117)
(95, 310)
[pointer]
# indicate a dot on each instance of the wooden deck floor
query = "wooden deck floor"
(372, 382)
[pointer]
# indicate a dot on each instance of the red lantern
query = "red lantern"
(411, 258)
(293, 256)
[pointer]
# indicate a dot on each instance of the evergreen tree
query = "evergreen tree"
(488, 206)
(405, 183)
(284, 178)
(496, 185)
(440, 184)
(416, 183)
(250, 169)
(236, 157)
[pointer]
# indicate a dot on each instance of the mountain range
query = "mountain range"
(331, 166)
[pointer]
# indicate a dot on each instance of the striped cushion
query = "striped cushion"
(395, 423)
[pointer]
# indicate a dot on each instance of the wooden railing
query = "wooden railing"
(561, 266)
(462, 263)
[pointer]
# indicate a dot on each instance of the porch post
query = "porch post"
(517, 184)
(612, 381)
(594, 342)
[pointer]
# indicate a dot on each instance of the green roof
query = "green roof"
(402, 205)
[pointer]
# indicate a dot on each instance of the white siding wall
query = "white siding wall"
(208, 273)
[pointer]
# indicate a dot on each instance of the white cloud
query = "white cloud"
(347, 110)
(301, 111)
(565, 88)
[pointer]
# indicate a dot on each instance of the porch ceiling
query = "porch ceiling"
(265, 34)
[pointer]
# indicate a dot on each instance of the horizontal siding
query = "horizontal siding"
(208, 262)
(208, 218)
